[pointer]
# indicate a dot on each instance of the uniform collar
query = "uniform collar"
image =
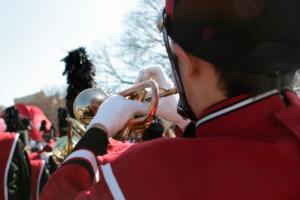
(236, 114)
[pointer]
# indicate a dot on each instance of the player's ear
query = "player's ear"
(187, 62)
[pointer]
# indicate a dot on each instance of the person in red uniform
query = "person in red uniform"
(15, 168)
(233, 63)
(23, 172)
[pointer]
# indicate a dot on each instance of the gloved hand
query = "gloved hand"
(167, 106)
(116, 111)
(155, 73)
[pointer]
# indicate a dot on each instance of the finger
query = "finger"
(153, 72)
(140, 109)
(140, 76)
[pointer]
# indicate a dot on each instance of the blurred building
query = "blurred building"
(49, 104)
(30, 98)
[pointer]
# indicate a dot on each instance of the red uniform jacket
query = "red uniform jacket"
(8, 143)
(34, 156)
(245, 148)
(37, 168)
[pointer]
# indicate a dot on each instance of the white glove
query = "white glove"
(116, 111)
(167, 106)
(167, 109)
(155, 73)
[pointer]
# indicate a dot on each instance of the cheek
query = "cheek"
(184, 78)
(182, 70)
(188, 85)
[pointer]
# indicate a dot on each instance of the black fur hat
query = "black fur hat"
(254, 36)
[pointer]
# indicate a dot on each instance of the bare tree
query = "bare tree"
(55, 90)
(111, 72)
(140, 45)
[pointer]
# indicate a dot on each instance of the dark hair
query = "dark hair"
(43, 125)
(235, 83)
(13, 120)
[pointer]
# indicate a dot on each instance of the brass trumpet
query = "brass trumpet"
(64, 145)
(87, 103)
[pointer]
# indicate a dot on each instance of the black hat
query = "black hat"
(255, 36)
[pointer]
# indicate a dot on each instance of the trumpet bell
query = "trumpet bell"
(86, 104)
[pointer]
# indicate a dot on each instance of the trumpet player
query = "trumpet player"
(233, 63)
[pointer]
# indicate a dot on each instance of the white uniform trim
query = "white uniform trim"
(11, 153)
(89, 156)
(112, 182)
(235, 106)
(39, 180)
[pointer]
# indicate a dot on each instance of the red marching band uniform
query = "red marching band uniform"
(8, 143)
(37, 160)
(245, 148)
(37, 168)
(7, 146)
(37, 173)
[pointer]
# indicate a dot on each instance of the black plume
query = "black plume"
(80, 73)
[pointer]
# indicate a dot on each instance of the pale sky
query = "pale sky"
(36, 34)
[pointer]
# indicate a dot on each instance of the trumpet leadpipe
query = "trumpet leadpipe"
(163, 93)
